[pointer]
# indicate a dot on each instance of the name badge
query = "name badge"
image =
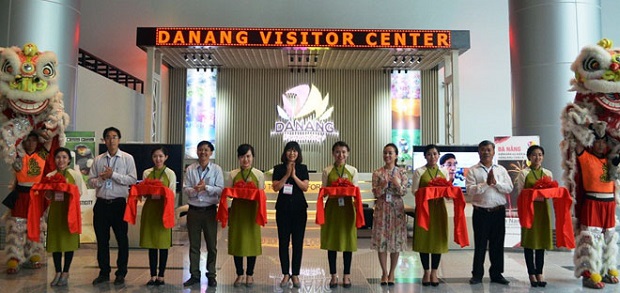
(288, 189)
(108, 184)
(59, 196)
(388, 197)
(341, 201)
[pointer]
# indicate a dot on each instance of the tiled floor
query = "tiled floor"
(454, 271)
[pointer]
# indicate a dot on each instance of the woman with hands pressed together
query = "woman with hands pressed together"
(290, 180)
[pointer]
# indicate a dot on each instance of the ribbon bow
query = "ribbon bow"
(545, 182)
(439, 181)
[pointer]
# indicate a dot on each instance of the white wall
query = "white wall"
(102, 103)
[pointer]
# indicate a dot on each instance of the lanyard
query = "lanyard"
(485, 168)
(391, 175)
(153, 174)
(113, 162)
(431, 174)
(202, 174)
(535, 175)
(245, 178)
(63, 173)
(340, 174)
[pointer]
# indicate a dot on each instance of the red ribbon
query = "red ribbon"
(243, 190)
(150, 187)
(561, 203)
(38, 204)
(340, 188)
(422, 216)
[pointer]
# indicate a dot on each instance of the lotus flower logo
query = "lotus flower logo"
(302, 101)
(305, 115)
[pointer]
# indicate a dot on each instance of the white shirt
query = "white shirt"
(123, 176)
(214, 180)
(484, 195)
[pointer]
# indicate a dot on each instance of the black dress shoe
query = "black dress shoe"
(101, 279)
(159, 283)
(434, 284)
(500, 280)
(212, 282)
(474, 281)
(542, 284)
(383, 283)
(191, 281)
(151, 283)
(120, 280)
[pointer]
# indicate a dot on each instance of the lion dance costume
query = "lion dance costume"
(594, 114)
(30, 101)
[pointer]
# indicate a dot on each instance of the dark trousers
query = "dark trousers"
(106, 215)
(347, 257)
(489, 230)
(163, 259)
(239, 265)
(202, 221)
(57, 256)
(291, 225)
(534, 267)
(434, 263)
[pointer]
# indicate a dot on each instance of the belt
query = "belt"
(493, 209)
(111, 201)
(203, 209)
(600, 197)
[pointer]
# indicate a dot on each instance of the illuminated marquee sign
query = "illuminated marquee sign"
(289, 37)
(304, 116)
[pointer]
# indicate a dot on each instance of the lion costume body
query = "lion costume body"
(30, 101)
(594, 114)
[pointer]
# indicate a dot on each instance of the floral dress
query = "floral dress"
(389, 229)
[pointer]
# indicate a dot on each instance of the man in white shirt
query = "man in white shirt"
(203, 186)
(489, 184)
(111, 174)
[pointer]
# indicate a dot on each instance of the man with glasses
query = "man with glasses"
(203, 184)
(111, 174)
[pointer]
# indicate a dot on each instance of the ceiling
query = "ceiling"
(301, 59)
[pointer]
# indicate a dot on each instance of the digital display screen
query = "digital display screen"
(457, 159)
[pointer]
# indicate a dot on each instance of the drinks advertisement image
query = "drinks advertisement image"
(405, 102)
(82, 145)
(200, 110)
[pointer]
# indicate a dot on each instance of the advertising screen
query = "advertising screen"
(457, 159)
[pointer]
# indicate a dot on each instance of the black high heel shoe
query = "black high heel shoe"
(332, 283)
(533, 281)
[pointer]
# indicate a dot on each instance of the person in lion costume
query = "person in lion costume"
(32, 124)
(590, 148)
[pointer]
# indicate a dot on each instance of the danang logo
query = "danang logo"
(304, 116)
